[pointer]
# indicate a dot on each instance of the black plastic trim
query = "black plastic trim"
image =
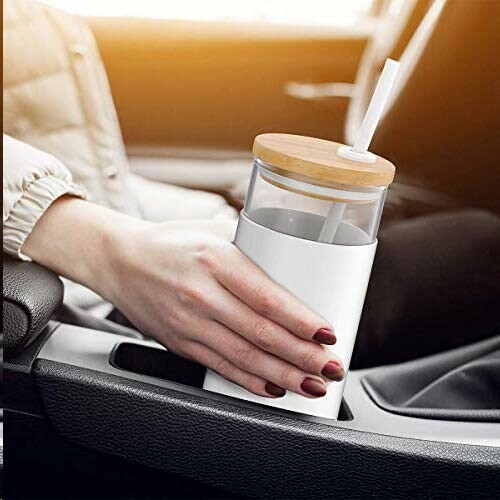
(19, 391)
(252, 451)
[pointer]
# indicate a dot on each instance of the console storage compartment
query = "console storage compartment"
(158, 363)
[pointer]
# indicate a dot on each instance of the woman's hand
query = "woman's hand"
(188, 286)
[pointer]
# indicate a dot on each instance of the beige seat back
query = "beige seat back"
(56, 97)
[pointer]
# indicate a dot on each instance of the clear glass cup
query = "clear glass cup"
(299, 206)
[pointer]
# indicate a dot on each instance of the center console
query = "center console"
(131, 398)
(406, 430)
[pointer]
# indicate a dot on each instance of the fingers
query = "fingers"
(248, 282)
(251, 359)
(211, 359)
(273, 338)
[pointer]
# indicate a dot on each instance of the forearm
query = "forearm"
(78, 240)
(186, 285)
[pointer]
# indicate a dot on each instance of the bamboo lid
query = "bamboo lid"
(318, 159)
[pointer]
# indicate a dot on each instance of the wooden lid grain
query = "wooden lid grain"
(318, 159)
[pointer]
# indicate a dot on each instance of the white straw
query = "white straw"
(331, 223)
(376, 107)
(362, 142)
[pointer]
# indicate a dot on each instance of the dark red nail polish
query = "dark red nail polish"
(325, 336)
(275, 390)
(313, 387)
(333, 371)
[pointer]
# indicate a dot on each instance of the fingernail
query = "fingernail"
(313, 387)
(333, 371)
(275, 390)
(325, 336)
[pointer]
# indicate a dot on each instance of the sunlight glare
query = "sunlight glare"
(310, 13)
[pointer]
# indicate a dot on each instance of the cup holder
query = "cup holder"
(162, 364)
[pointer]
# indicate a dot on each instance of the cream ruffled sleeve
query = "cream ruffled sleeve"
(32, 180)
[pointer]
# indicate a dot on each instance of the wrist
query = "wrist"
(79, 240)
(112, 252)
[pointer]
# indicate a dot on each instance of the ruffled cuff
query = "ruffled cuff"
(36, 199)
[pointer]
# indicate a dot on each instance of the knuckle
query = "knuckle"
(285, 378)
(223, 367)
(207, 258)
(190, 294)
(263, 335)
(176, 317)
(265, 302)
(255, 387)
(244, 357)
(309, 360)
(303, 327)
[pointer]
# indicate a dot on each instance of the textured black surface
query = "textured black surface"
(19, 391)
(462, 384)
(31, 294)
(254, 452)
(41, 465)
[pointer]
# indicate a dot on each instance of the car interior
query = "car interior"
(98, 414)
